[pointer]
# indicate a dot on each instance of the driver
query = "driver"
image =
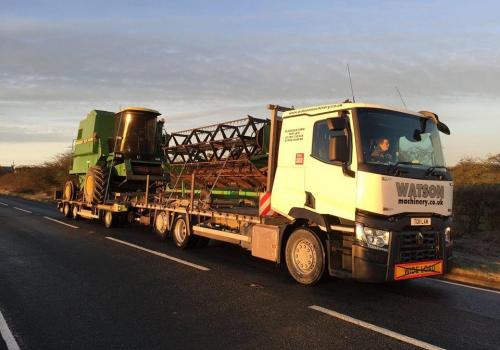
(381, 152)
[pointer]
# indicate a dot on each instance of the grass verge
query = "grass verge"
(475, 270)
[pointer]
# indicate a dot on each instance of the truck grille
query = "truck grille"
(418, 246)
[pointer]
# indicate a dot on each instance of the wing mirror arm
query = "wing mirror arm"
(440, 125)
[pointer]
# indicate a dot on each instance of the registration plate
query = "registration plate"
(420, 221)
(418, 269)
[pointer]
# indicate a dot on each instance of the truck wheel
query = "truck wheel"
(130, 217)
(74, 212)
(108, 219)
(67, 210)
(69, 191)
(305, 256)
(161, 224)
(180, 234)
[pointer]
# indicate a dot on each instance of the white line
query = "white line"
(2, 203)
(21, 209)
(180, 261)
(7, 336)
(374, 328)
(464, 285)
(60, 222)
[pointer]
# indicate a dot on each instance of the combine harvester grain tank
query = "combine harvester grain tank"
(351, 190)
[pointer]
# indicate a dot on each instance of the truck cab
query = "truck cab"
(372, 184)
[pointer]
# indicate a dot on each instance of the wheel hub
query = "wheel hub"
(161, 223)
(89, 188)
(180, 231)
(304, 256)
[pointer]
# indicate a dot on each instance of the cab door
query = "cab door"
(330, 186)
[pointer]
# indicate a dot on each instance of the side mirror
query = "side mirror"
(338, 123)
(440, 125)
(443, 128)
(339, 149)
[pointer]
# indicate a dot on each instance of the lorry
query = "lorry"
(351, 190)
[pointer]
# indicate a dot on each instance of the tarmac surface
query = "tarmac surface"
(87, 287)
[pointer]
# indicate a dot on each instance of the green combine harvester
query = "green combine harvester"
(115, 152)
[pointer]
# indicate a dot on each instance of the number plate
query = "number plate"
(416, 270)
(420, 221)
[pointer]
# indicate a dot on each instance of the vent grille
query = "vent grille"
(418, 246)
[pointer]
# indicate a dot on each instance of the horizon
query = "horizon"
(226, 60)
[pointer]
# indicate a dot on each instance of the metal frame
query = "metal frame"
(219, 152)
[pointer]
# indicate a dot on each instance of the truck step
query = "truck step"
(84, 213)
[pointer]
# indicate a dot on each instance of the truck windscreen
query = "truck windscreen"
(137, 133)
(389, 138)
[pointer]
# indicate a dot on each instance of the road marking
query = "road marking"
(7, 336)
(180, 261)
(374, 328)
(21, 209)
(464, 285)
(2, 203)
(60, 222)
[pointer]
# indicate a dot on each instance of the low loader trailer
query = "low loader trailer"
(350, 190)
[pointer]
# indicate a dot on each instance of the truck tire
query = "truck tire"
(305, 256)
(67, 210)
(180, 233)
(74, 212)
(161, 224)
(94, 187)
(130, 217)
(69, 191)
(109, 219)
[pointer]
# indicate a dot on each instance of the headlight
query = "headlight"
(447, 234)
(374, 238)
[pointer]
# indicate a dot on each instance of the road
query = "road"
(82, 287)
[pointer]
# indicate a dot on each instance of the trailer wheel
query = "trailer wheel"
(69, 190)
(108, 219)
(130, 217)
(180, 233)
(67, 210)
(74, 212)
(305, 256)
(161, 224)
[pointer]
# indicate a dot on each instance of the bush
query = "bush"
(476, 202)
(476, 208)
(44, 178)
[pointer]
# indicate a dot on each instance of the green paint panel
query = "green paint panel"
(91, 144)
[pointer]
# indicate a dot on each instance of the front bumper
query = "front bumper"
(372, 265)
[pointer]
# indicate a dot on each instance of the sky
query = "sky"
(203, 62)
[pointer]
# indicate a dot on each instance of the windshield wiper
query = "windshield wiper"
(395, 167)
(431, 169)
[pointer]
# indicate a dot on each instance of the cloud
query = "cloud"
(23, 134)
(219, 64)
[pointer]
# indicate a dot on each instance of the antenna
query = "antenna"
(350, 82)
(401, 97)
